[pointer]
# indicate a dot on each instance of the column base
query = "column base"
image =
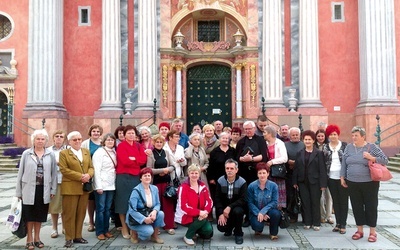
(45, 111)
(378, 103)
(310, 104)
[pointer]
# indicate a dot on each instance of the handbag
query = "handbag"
(14, 217)
(21, 231)
(379, 172)
(88, 186)
(172, 189)
(144, 211)
(285, 222)
(294, 205)
(278, 171)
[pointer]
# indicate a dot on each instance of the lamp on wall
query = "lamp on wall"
(238, 36)
(178, 37)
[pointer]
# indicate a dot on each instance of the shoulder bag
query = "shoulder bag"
(171, 190)
(144, 211)
(278, 171)
(378, 171)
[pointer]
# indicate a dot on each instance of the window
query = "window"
(208, 31)
(337, 12)
(6, 26)
(84, 16)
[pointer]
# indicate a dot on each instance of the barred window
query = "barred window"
(5, 27)
(208, 31)
(337, 12)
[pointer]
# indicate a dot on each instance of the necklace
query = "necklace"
(159, 152)
(358, 149)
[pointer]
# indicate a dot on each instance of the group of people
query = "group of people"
(215, 167)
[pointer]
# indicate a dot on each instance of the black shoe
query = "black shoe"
(80, 240)
(68, 244)
(238, 239)
(228, 233)
(246, 223)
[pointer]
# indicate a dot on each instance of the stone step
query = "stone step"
(393, 166)
(395, 158)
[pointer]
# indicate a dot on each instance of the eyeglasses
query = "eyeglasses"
(59, 136)
(76, 139)
(110, 140)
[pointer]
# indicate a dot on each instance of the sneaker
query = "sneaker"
(190, 242)
(316, 228)
(239, 239)
(54, 234)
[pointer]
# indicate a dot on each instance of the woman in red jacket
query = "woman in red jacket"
(194, 205)
(130, 156)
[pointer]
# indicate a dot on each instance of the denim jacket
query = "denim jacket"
(261, 201)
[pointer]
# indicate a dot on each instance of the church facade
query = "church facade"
(75, 63)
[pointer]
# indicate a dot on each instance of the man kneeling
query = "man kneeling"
(230, 201)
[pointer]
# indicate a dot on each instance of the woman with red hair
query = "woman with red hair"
(333, 152)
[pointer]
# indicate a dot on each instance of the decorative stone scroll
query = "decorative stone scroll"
(165, 83)
(208, 46)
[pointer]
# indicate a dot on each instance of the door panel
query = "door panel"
(209, 95)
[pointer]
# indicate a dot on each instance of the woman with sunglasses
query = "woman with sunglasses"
(355, 176)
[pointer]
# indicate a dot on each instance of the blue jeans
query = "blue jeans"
(274, 220)
(103, 205)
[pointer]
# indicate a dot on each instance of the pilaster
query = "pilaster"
(272, 52)
(377, 53)
(45, 56)
(309, 54)
(147, 54)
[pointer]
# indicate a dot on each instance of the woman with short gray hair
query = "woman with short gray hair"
(36, 185)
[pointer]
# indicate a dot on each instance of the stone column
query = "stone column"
(111, 56)
(272, 52)
(377, 53)
(309, 54)
(45, 56)
(239, 94)
(178, 94)
(147, 54)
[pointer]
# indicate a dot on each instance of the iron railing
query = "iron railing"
(379, 132)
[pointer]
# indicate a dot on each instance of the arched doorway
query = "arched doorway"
(209, 95)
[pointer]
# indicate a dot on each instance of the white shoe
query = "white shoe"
(190, 242)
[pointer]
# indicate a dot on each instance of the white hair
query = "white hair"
(72, 134)
(144, 128)
(193, 135)
(39, 132)
(253, 125)
(294, 129)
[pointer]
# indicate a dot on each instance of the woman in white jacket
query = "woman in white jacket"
(104, 163)
(277, 154)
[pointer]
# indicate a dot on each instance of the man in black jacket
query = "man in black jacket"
(230, 201)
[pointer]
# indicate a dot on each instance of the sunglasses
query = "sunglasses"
(76, 139)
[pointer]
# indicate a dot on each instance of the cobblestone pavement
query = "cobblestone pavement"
(294, 237)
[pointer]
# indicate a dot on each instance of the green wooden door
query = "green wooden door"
(209, 95)
(4, 114)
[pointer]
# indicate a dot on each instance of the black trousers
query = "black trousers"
(310, 197)
(340, 197)
(364, 202)
(234, 222)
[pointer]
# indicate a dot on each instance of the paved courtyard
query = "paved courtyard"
(294, 237)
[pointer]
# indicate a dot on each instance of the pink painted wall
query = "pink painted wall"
(339, 58)
(82, 59)
(18, 11)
